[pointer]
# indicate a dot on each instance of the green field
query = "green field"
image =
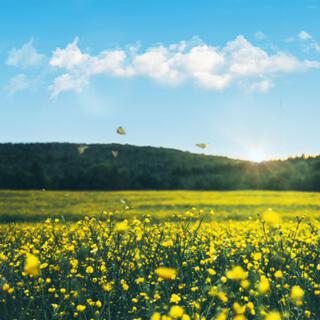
(238, 205)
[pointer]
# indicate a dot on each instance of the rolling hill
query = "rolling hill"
(69, 166)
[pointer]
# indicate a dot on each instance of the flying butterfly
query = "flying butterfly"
(126, 204)
(202, 145)
(115, 153)
(121, 131)
(82, 149)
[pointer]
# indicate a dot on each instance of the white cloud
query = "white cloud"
(316, 46)
(263, 86)
(303, 35)
(246, 60)
(208, 66)
(69, 57)
(259, 35)
(158, 63)
(312, 64)
(26, 56)
(66, 82)
(18, 83)
(308, 43)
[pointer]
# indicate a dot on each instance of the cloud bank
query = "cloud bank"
(210, 67)
(215, 68)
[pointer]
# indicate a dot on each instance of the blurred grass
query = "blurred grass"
(17, 206)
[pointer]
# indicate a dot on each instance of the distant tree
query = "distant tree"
(60, 166)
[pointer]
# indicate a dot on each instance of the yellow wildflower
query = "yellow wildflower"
(176, 312)
(237, 273)
(166, 273)
(296, 294)
(81, 308)
(32, 265)
(273, 315)
(175, 298)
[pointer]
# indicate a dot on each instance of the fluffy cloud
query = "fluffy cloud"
(303, 35)
(24, 57)
(18, 83)
(66, 82)
(73, 60)
(259, 35)
(210, 67)
(308, 42)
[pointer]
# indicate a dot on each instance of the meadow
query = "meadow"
(159, 255)
(24, 206)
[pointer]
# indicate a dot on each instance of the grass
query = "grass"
(31, 206)
(211, 257)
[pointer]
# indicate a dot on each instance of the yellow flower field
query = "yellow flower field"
(257, 268)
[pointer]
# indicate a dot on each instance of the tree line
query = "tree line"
(68, 166)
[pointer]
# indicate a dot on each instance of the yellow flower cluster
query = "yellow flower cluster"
(133, 269)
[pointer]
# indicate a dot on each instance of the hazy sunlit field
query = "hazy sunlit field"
(238, 205)
(159, 255)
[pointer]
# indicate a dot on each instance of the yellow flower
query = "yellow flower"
(273, 315)
(264, 285)
(212, 272)
(156, 316)
(122, 226)
(124, 285)
(307, 314)
(176, 312)
(297, 294)
(166, 273)
(245, 284)
(5, 287)
(257, 256)
(3, 257)
(222, 296)
(89, 270)
(81, 308)
(223, 315)
(271, 218)
(278, 274)
(168, 243)
(107, 287)
(175, 298)
(237, 273)
(238, 309)
(32, 265)
(43, 266)
(139, 280)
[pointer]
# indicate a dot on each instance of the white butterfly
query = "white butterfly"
(115, 153)
(121, 131)
(202, 145)
(82, 149)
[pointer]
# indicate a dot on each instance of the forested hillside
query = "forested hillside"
(95, 167)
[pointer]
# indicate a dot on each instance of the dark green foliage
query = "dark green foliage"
(61, 166)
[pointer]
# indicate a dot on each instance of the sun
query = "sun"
(257, 155)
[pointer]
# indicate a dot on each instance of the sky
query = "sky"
(240, 75)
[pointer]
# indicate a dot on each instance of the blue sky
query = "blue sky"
(240, 75)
